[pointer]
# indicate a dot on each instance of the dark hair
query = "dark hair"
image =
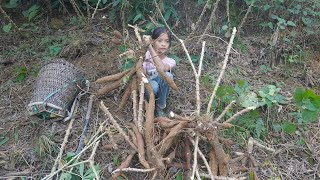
(158, 31)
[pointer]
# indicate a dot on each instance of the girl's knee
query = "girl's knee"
(169, 75)
(155, 86)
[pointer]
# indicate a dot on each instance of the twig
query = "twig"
(224, 111)
(198, 79)
(195, 157)
(95, 10)
(88, 9)
(198, 174)
(75, 157)
(204, 159)
(133, 170)
(8, 18)
(91, 160)
(85, 125)
(114, 122)
(65, 140)
(199, 19)
(255, 142)
(136, 32)
(222, 70)
(245, 17)
(211, 20)
(76, 8)
(228, 12)
(238, 114)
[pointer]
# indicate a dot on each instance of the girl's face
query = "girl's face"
(161, 44)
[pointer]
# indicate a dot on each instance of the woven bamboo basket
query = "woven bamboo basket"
(57, 85)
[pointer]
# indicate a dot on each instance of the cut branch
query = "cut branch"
(222, 70)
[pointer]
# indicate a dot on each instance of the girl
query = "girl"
(158, 45)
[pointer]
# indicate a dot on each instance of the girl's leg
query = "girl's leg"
(163, 93)
(155, 86)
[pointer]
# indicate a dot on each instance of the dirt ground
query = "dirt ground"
(30, 145)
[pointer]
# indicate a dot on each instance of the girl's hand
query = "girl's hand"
(147, 40)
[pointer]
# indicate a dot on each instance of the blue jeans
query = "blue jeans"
(160, 90)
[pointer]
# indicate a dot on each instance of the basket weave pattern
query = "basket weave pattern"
(58, 83)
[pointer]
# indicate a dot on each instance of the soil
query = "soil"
(29, 145)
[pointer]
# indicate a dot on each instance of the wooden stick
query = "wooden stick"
(224, 111)
(211, 20)
(199, 19)
(203, 159)
(85, 125)
(198, 80)
(63, 145)
(91, 160)
(238, 114)
(95, 10)
(116, 125)
(195, 157)
(222, 70)
(133, 170)
(245, 17)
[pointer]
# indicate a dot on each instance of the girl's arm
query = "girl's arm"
(158, 62)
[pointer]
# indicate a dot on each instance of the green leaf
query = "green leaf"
(290, 23)
(11, 4)
(298, 96)
(70, 155)
(116, 160)
(195, 58)
(90, 174)
(289, 127)
(7, 28)
(259, 127)
(277, 127)
(179, 175)
(127, 64)
(200, 2)
(31, 12)
(266, 7)
(309, 116)
(248, 100)
(3, 140)
(167, 15)
(65, 176)
(137, 17)
(81, 169)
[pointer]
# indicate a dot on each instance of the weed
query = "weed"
(7, 28)
(21, 74)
